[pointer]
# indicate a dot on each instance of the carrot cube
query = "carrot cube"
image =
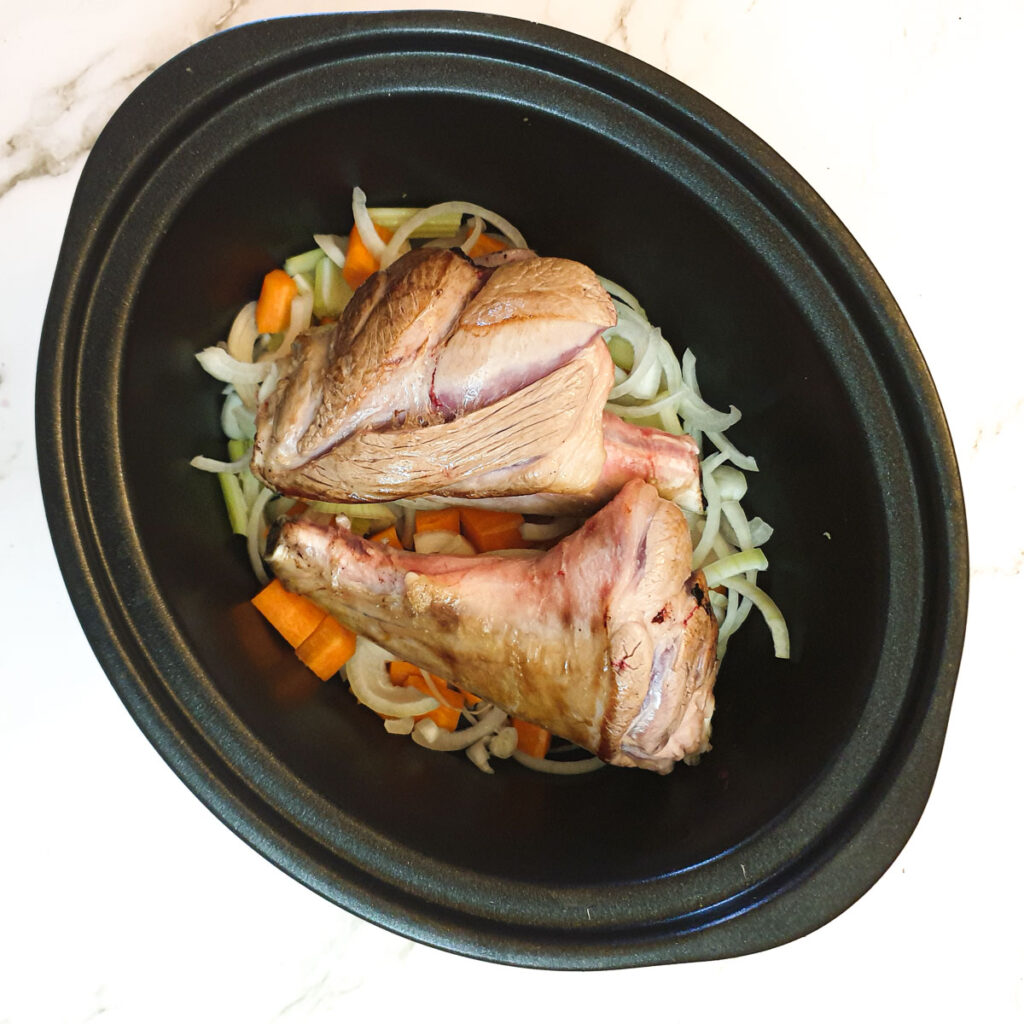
(327, 648)
(430, 519)
(492, 530)
(533, 739)
(292, 615)
(360, 263)
(274, 306)
(400, 671)
(388, 536)
(485, 244)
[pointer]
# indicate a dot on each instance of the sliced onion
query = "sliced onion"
(236, 420)
(370, 682)
(392, 249)
(732, 484)
(335, 248)
(713, 509)
(480, 756)
(616, 291)
(552, 767)
(268, 385)
(243, 334)
(367, 230)
(736, 564)
(731, 452)
(548, 531)
(427, 734)
(442, 542)
(504, 742)
(254, 536)
(474, 234)
(643, 380)
(218, 364)
(299, 320)
(218, 466)
(769, 609)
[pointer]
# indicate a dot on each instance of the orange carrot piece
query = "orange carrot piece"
(444, 717)
(429, 519)
(491, 530)
(485, 244)
(327, 648)
(274, 306)
(418, 681)
(400, 671)
(292, 615)
(446, 714)
(360, 263)
(533, 739)
(388, 536)
(471, 699)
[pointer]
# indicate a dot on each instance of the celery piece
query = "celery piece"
(238, 514)
(237, 448)
(304, 262)
(621, 352)
(368, 517)
(331, 291)
(393, 217)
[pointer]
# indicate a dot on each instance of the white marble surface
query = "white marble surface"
(122, 896)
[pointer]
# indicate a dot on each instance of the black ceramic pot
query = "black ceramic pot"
(226, 160)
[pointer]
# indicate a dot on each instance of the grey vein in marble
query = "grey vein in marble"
(64, 121)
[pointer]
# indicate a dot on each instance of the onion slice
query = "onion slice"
(427, 734)
(546, 764)
(367, 671)
(367, 230)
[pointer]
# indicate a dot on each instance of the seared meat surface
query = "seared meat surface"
(436, 360)
(451, 379)
(607, 639)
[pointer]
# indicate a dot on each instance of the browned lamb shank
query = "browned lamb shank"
(448, 379)
(607, 639)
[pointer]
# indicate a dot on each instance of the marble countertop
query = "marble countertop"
(122, 896)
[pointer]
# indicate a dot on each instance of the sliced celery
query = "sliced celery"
(621, 352)
(331, 291)
(393, 217)
(238, 514)
(237, 447)
(304, 262)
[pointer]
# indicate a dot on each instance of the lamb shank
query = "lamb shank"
(607, 639)
(449, 379)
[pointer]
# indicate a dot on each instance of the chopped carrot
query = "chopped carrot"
(292, 615)
(274, 306)
(360, 263)
(388, 536)
(444, 717)
(399, 671)
(471, 699)
(485, 244)
(430, 519)
(327, 648)
(491, 530)
(533, 739)
(418, 681)
(447, 714)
